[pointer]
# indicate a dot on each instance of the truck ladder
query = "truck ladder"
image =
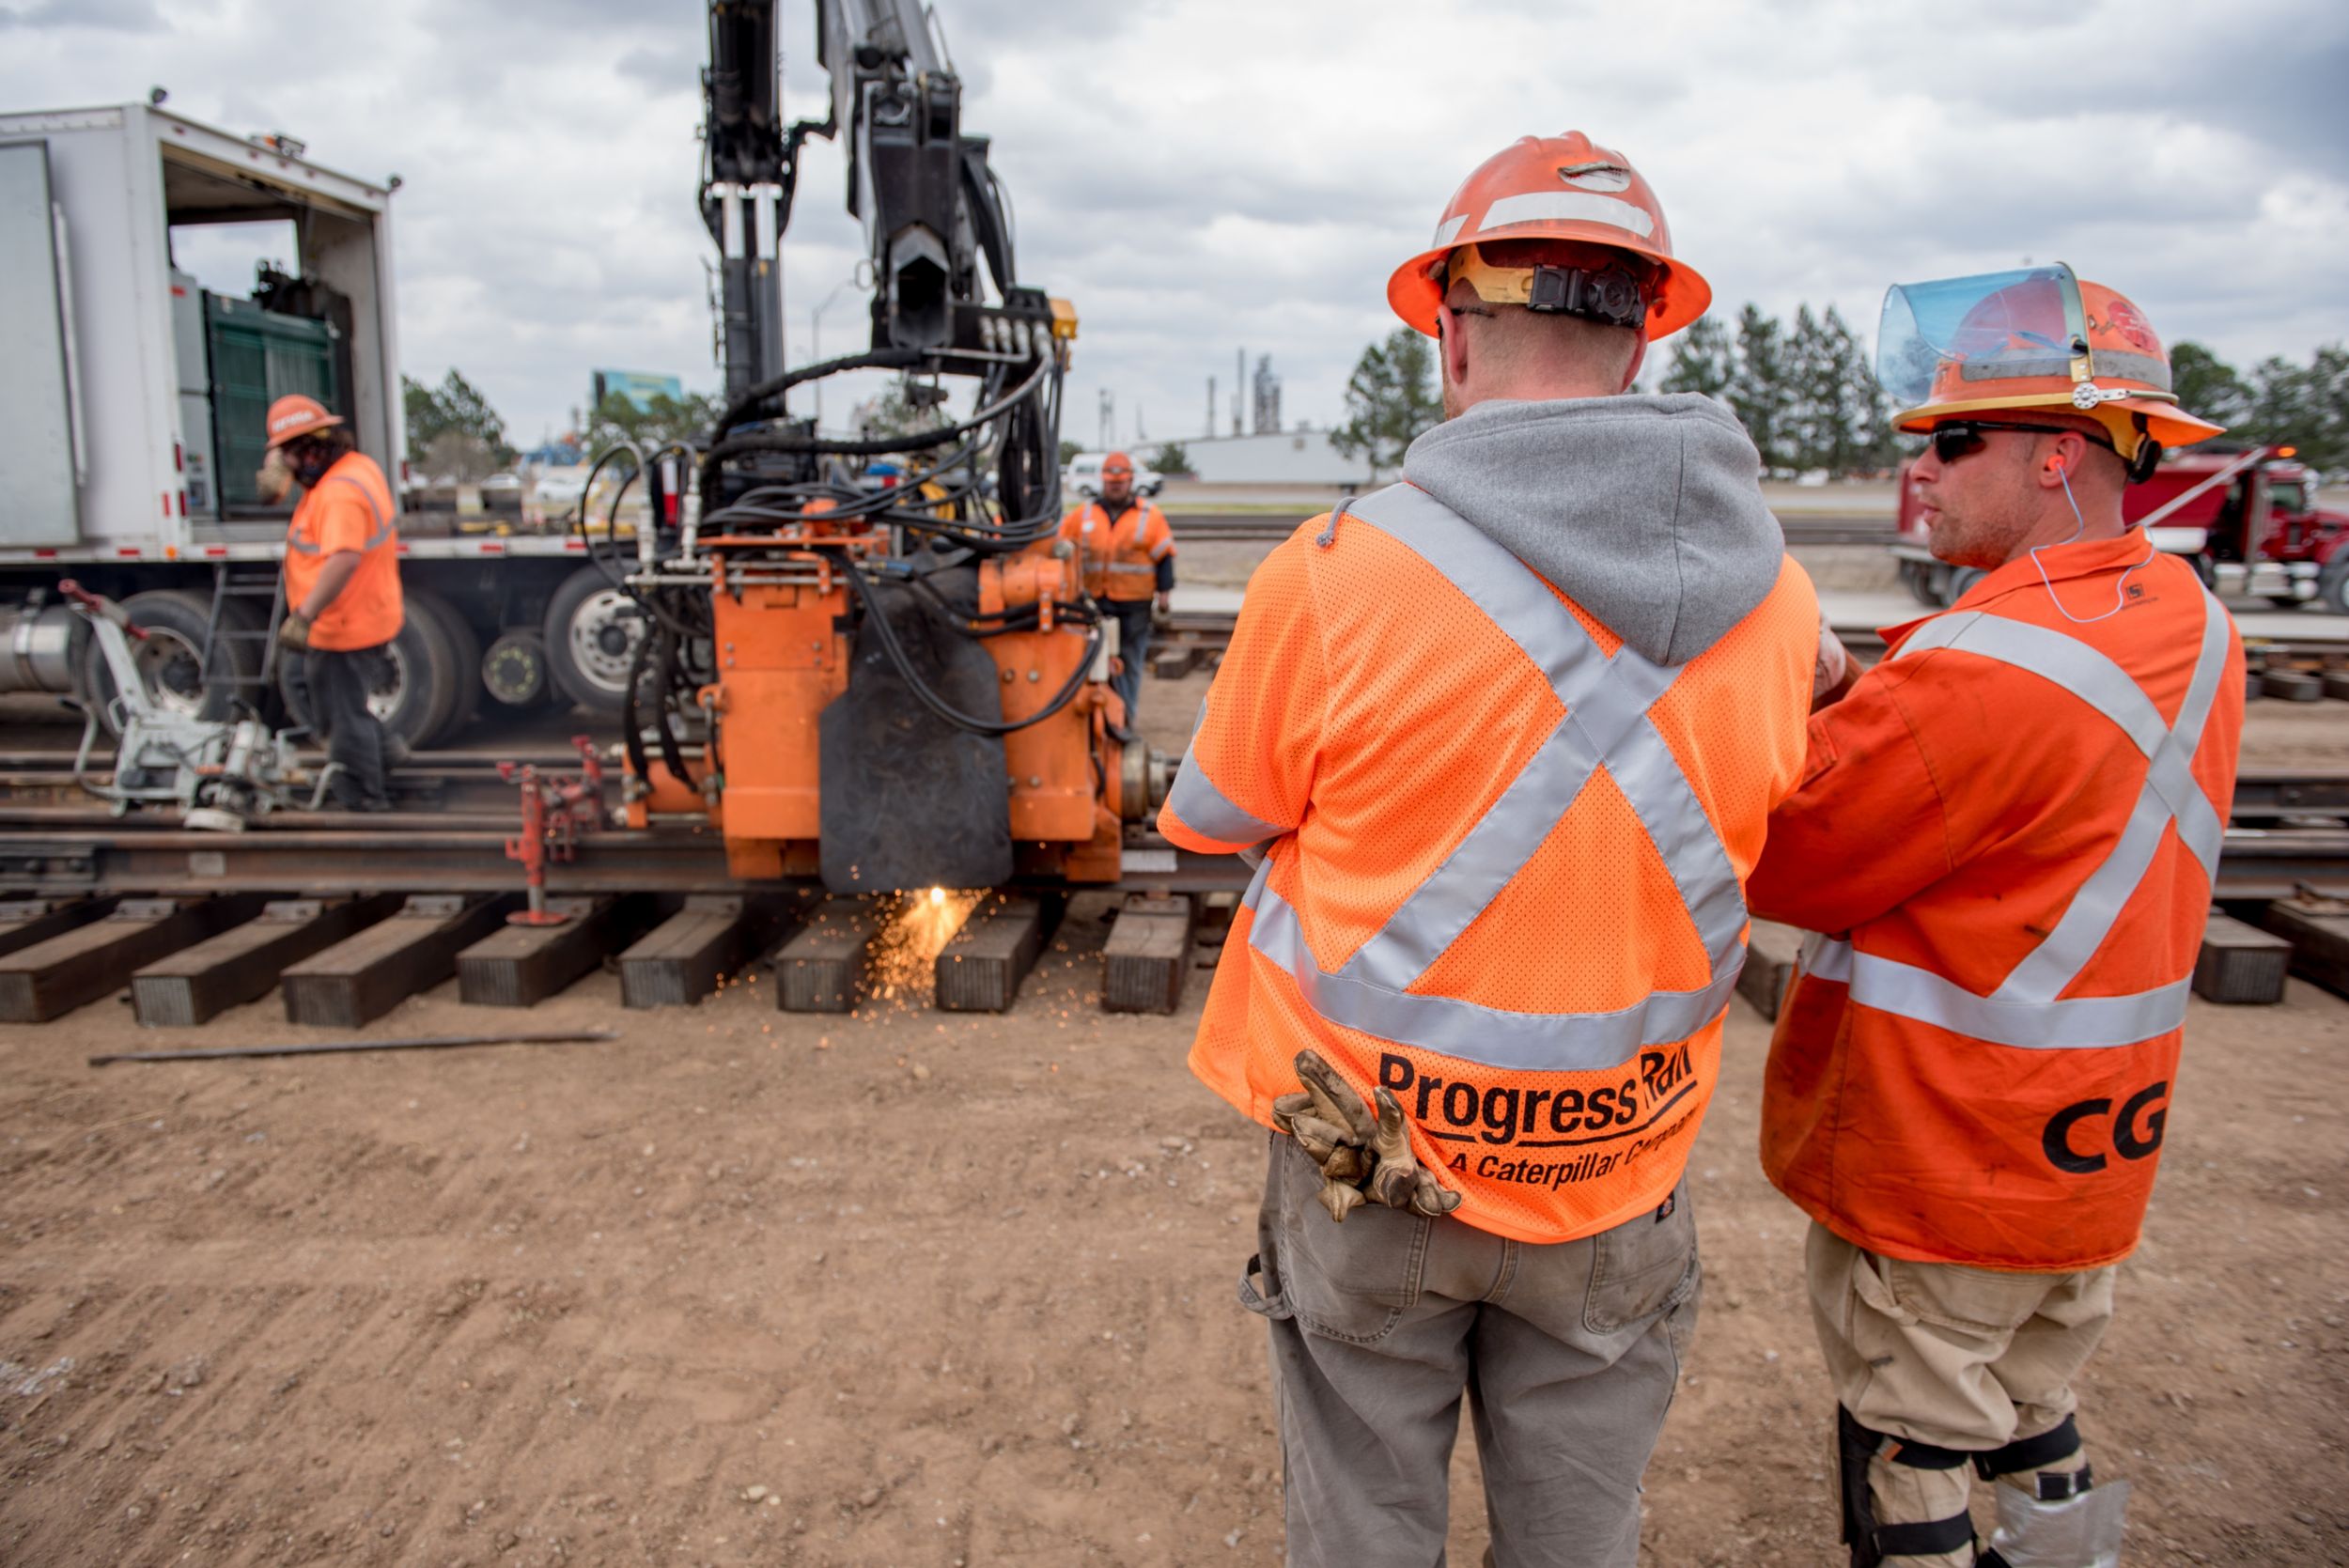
(247, 581)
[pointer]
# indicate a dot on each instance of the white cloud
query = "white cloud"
(1200, 175)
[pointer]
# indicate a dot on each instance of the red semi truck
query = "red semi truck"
(2246, 517)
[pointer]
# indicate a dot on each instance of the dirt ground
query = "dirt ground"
(916, 1288)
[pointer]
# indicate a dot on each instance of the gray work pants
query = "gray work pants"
(338, 683)
(1568, 1355)
(1133, 646)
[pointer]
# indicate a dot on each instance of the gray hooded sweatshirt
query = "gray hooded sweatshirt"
(1646, 511)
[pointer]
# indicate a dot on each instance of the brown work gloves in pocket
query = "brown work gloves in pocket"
(1360, 1155)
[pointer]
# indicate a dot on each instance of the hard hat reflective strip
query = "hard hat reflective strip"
(1447, 231)
(1606, 702)
(2169, 793)
(2147, 369)
(1532, 207)
(2025, 1010)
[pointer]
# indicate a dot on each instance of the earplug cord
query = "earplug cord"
(2079, 526)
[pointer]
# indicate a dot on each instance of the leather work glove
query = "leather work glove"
(294, 631)
(1363, 1155)
(274, 479)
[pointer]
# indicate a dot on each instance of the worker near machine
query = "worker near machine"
(1126, 551)
(342, 591)
(1504, 736)
(2006, 832)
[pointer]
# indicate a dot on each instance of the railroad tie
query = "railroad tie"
(520, 966)
(368, 973)
(1147, 957)
(822, 969)
(243, 963)
(980, 969)
(46, 979)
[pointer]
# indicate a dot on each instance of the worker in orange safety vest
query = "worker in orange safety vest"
(1126, 558)
(2005, 837)
(1504, 736)
(343, 603)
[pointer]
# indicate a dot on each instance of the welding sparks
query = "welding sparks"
(913, 934)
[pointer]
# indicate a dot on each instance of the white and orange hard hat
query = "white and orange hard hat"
(1117, 462)
(2035, 337)
(1555, 188)
(297, 416)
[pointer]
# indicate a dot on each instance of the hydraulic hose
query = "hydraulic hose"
(939, 705)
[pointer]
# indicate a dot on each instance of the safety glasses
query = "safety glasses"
(1957, 437)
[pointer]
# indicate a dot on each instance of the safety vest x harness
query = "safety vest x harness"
(1107, 560)
(1606, 702)
(2027, 1008)
(382, 519)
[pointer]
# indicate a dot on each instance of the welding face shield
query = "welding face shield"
(2034, 337)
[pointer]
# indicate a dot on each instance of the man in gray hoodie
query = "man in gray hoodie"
(1505, 734)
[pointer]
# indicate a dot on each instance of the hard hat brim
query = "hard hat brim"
(2165, 423)
(1414, 294)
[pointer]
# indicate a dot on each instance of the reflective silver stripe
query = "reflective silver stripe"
(383, 522)
(2077, 1023)
(1825, 957)
(1526, 1042)
(1605, 702)
(1533, 207)
(1605, 722)
(2024, 1009)
(1207, 810)
(1145, 569)
(1446, 230)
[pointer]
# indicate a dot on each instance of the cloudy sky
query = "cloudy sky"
(1201, 176)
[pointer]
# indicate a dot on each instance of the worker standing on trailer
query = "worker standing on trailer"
(1127, 552)
(342, 591)
(2008, 831)
(1505, 734)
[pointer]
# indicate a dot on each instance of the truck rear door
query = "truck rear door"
(39, 494)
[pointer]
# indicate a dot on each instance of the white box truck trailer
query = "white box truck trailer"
(131, 403)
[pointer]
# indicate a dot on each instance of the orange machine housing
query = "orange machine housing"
(783, 652)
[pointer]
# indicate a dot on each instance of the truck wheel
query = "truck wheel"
(592, 631)
(464, 666)
(171, 657)
(1916, 577)
(2332, 585)
(514, 671)
(417, 694)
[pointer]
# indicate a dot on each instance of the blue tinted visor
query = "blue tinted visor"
(1990, 327)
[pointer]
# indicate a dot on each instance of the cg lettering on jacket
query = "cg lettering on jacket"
(2069, 1140)
(1615, 1115)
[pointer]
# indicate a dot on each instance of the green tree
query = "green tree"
(1070, 451)
(1171, 459)
(2208, 385)
(1389, 400)
(1704, 360)
(663, 419)
(455, 406)
(1760, 391)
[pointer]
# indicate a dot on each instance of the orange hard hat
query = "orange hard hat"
(1117, 462)
(2034, 338)
(1562, 188)
(297, 416)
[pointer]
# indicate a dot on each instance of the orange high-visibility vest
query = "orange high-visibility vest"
(2010, 828)
(1505, 855)
(350, 508)
(1120, 560)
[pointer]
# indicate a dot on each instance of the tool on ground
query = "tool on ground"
(555, 810)
(325, 1048)
(1363, 1155)
(221, 773)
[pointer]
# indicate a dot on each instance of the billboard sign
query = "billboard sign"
(639, 387)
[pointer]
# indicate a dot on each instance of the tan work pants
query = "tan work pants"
(1967, 1358)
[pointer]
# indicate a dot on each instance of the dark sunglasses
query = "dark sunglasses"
(1958, 437)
